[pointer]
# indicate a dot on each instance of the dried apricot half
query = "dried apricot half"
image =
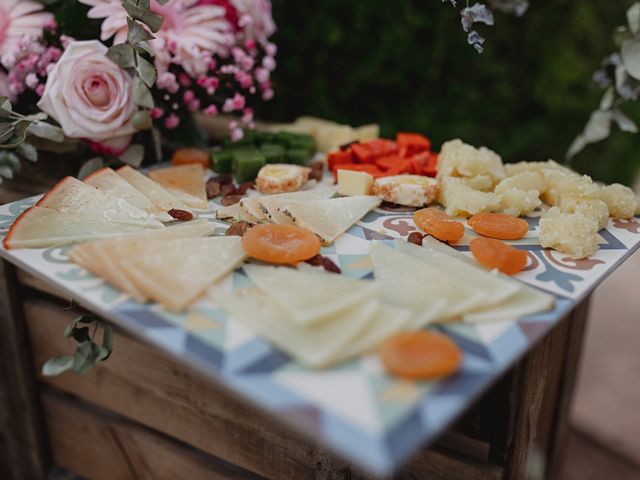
(493, 253)
(187, 156)
(439, 225)
(281, 244)
(498, 225)
(420, 355)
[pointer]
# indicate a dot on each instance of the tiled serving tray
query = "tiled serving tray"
(355, 409)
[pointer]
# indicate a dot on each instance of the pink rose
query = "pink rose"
(89, 95)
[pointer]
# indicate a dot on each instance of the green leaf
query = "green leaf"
(123, 55)
(137, 33)
(624, 122)
(133, 155)
(5, 104)
(145, 47)
(162, 2)
(47, 131)
(6, 132)
(630, 53)
(633, 18)
(90, 166)
(107, 342)
(150, 19)
(86, 357)
(28, 151)
(141, 93)
(142, 120)
(57, 365)
(146, 71)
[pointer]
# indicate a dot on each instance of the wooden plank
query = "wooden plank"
(31, 281)
(98, 445)
(23, 451)
(142, 384)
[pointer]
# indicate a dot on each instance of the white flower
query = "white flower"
(20, 18)
(89, 95)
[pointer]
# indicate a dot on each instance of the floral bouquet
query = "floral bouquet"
(119, 79)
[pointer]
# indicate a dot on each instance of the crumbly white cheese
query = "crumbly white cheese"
(570, 233)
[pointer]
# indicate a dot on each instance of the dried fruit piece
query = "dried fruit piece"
(420, 355)
(230, 200)
(227, 189)
(324, 262)
(181, 215)
(280, 244)
(187, 156)
(213, 189)
(493, 253)
(498, 225)
(223, 178)
(243, 187)
(439, 225)
(238, 229)
(415, 238)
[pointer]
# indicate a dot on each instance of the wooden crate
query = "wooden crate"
(140, 414)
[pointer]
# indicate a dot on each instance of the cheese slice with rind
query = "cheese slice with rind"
(252, 210)
(234, 214)
(175, 273)
(108, 181)
(152, 190)
(186, 182)
(431, 293)
(317, 345)
(496, 288)
(310, 297)
(329, 219)
(526, 301)
(73, 196)
(269, 204)
(107, 256)
(40, 227)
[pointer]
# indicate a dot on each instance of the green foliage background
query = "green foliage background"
(406, 64)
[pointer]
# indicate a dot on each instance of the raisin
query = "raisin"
(227, 189)
(315, 261)
(317, 170)
(181, 215)
(243, 187)
(416, 238)
(213, 189)
(329, 266)
(230, 200)
(223, 178)
(238, 229)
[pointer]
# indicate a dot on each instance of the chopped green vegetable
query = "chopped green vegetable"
(246, 164)
(221, 160)
(273, 152)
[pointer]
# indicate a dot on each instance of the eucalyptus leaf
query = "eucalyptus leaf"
(148, 49)
(28, 151)
(633, 18)
(630, 52)
(6, 132)
(163, 2)
(133, 155)
(57, 365)
(142, 120)
(123, 55)
(86, 357)
(6, 172)
(92, 165)
(137, 33)
(157, 144)
(150, 19)
(10, 159)
(141, 93)
(146, 71)
(107, 342)
(47, 131)
(81, 334)
(624, 122)
(5, 104)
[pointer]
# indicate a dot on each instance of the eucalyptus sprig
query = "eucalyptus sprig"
(88, 353)
(619, 76)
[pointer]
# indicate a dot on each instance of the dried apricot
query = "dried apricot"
(439, 225)
(493, 253)
(498, 225)
(281, 244)
(186, 156)
(420, 355)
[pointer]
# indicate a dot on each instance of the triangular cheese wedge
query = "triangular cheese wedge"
(330, 218)
(310, 297)
(496, 288)
(316, 345)
(269, 204)
(150, 189)
(252, 210)
(186, 182)
(108, 255)
(108, 181)
(72, 196)
(233, 214)
(40, 227)
(176, 272)
(421, 287)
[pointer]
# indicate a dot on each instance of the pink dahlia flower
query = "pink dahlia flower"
(18, 19)
(251, 16)
(190, 34)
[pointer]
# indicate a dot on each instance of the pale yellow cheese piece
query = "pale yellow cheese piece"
(152, 190)
(367, 132)
(352, 183)
(235, 213)
(310, 297)
(269, 204)
(176, 272)
(186, 182)
(317, 345)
